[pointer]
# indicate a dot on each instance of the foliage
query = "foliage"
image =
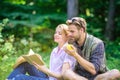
(6, 45)
(12, 47)
(26, 24)
(113, 53)
(6, 48)
(33, 13)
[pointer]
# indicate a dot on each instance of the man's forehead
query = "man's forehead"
(72, 27)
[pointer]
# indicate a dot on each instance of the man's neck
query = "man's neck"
(82, 40)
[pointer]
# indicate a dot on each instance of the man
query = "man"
(89, 53)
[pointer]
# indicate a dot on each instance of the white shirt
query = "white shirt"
(57, 59)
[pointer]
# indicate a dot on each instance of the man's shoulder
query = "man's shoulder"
(92, 42)
(94, 39)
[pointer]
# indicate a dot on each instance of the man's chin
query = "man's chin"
(70, 41)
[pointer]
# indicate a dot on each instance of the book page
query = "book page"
(34, 58)
(30, 58)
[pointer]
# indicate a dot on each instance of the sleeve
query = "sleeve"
(97, 56)
(71, 60)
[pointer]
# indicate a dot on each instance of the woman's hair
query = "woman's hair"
(64, 28)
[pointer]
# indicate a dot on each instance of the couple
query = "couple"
(85, 62)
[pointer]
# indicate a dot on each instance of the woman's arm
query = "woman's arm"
(44, 69)
(47, 71)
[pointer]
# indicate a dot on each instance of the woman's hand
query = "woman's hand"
(40, 67)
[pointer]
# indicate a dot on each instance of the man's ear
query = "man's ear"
(82, 29)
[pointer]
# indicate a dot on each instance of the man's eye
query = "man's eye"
(71, 31)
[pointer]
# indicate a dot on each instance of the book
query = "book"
(19, 61)
(30, 58)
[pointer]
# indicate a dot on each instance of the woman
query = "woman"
(59, 61)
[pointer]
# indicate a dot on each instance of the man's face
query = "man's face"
(74, 34)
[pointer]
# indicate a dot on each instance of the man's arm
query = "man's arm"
(93, 65)
(85, 64)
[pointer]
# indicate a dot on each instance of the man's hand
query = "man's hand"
(70, 49)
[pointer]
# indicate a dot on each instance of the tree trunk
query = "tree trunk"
(72, 8)
(110, 27)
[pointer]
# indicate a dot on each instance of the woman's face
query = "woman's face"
(59, 36)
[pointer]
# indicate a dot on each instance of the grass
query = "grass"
(8, 62)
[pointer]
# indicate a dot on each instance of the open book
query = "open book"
(30, 58)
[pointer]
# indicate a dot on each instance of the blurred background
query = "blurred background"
(26, 24)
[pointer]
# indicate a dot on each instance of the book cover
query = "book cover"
(19, 61)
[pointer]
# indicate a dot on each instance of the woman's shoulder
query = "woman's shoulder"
(54, 49)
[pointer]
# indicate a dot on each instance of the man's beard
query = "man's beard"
(72, 40)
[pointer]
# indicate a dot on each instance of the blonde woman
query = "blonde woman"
(59, 61)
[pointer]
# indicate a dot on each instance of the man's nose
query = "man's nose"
(69, 34)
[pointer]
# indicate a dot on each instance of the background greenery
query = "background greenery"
(26, 24)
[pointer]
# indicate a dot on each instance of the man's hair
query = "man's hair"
(77, 21)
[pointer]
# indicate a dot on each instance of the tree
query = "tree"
(110, 27)
(72, 8)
